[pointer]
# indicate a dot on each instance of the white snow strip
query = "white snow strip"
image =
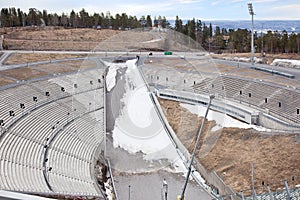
(138, 128)
(108, 190)
(111, 74)
(199, 177)
(286, 63)
(222, 120)
(151, 41)
(242, 59)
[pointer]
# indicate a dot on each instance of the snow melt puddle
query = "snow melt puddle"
(138, 127)
(222, 120)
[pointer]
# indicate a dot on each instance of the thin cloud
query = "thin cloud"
(287, 7)
(214, 3)
(137, 9)
(282, 12)
(187, 1)
(185, 9)
(263, 1)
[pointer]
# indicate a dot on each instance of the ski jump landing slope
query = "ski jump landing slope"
(138, 128)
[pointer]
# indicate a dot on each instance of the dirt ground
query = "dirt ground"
(18, 58)
(5, 81)
(54, 38)
(231, 151)
(66, 66)
(23, 73)
(26, 73)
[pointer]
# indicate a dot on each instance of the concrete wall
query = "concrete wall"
(248, 115)
(245, 115)
(275, 124)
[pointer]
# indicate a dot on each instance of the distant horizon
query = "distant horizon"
(242, 20)
(260, 26)
(186, 9)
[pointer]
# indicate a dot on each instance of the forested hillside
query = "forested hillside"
(218, 40)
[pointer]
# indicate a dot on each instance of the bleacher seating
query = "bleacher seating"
(256, 93)
(75, 115)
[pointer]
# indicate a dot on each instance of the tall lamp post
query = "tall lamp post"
(211, 97)
(251, 12)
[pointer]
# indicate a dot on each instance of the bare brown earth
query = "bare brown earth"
(54, 38)
(231, 151)
(5, 81)
(26, 73)
(17, 58)
(66, 66)
(23, 73)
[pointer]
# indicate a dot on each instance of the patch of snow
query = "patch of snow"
(199, 177)
(111, 75)
(108, 190)
(222, 120)
(242, 59)
(138, 127)
(150, 41)
(286, 63)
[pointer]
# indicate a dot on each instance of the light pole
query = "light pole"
(211, 97)
(251, 12)
(129, 186)
(165, 189)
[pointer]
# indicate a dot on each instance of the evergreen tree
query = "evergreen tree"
(165, 23)
(4, 17)
(284, 42)
(178, 25)
(21, 17)
(191, 29)
(45, 17)
(149, 21)
(218, 31)
(73, 20)
(205, 36)
(155, 22)
(210, 30)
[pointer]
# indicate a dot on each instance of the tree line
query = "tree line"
(11, 17)
(239, 41)
(212, 39)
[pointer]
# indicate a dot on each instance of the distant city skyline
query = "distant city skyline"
(185, 9)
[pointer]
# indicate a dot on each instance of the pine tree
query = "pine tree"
(149, 21)
(178, 25)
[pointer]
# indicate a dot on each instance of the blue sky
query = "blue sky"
(185, 9)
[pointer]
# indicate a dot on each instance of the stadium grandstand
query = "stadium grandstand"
(52, 134)
(53, 113)
(271, 98)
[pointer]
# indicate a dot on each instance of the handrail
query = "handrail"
(41, 104)
(53, 136)
(112, 179)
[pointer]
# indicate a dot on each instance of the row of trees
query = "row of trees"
(11, 17)
(230, 40)
(216, 40)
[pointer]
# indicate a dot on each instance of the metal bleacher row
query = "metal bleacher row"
(72, 114)
(276, 100)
